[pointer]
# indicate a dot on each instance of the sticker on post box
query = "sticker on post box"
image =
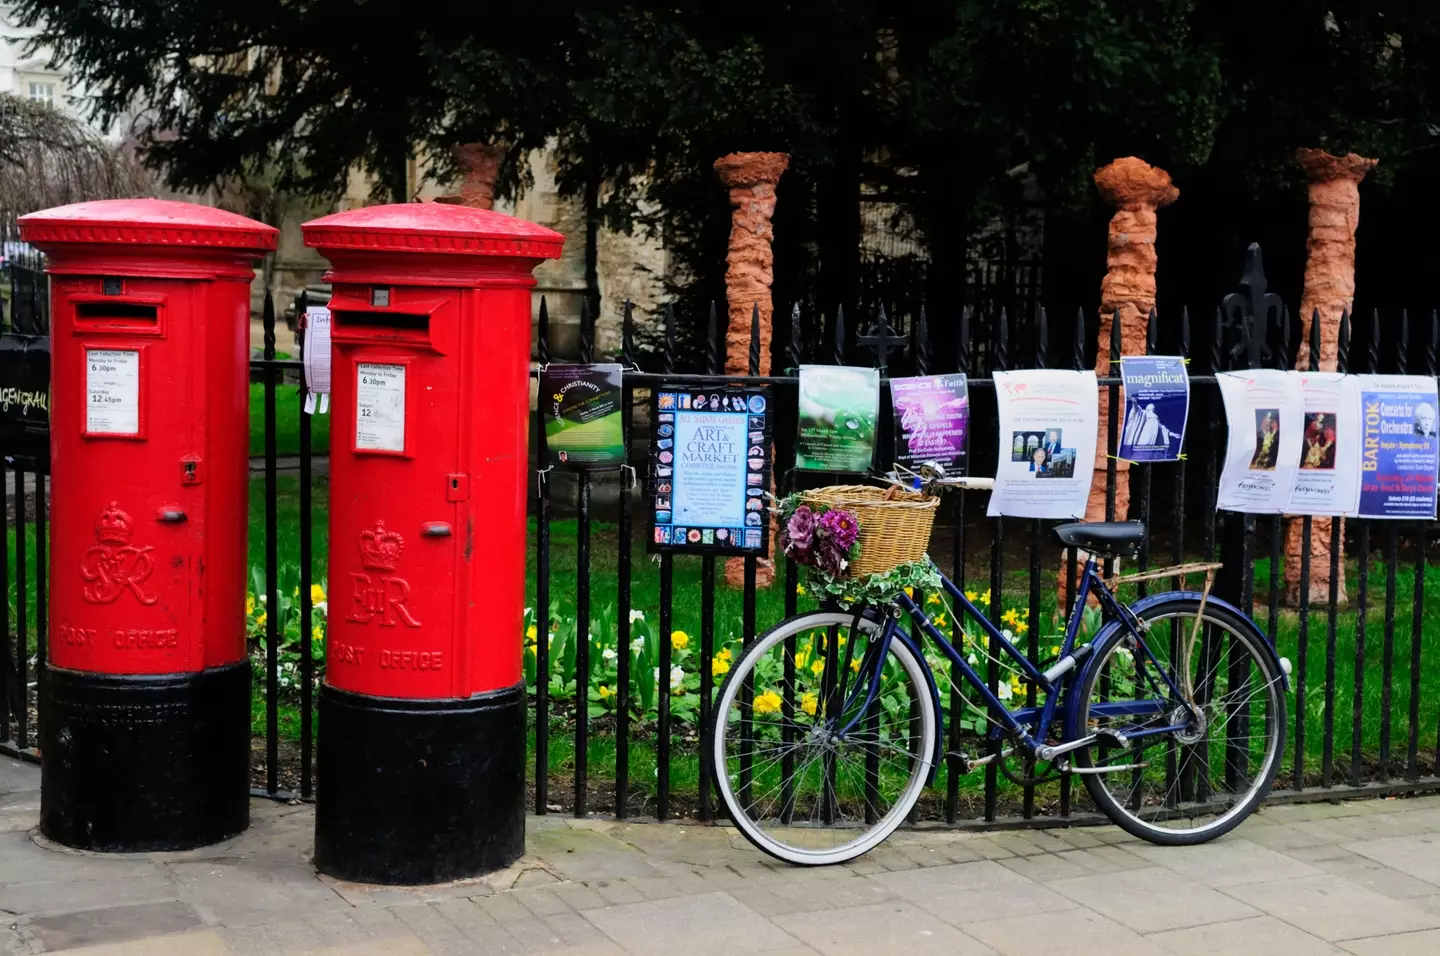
(379, 407)
(112, 385)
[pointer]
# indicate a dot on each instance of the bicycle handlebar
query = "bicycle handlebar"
(923, 483)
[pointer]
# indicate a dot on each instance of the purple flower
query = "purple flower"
(841, 527)
(828, 558)
(800, 529)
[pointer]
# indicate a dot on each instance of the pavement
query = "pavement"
(1361, 877)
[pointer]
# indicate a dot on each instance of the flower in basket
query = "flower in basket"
(800, 534)
(841, 526)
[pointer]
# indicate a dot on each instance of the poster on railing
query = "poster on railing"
(1264, 414)
(839, 406)
(1399, 448)
(1049, 419)
(1157, 405)
(710, 470)
(581, 405)
(1328, 479)
(932, 419)
(315, 357)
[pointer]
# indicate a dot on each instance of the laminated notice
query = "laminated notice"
(112, 386)
(379, 407)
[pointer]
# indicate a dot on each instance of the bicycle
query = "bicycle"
(827, 728)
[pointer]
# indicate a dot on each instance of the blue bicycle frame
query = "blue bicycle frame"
(1036, 719)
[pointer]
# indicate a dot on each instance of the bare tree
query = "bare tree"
(49, 158)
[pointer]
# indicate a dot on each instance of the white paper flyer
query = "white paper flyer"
(316, 358)
(1327, 482)
(1264, 413)
(1049, 419)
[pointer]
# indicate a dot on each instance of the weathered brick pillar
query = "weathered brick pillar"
(750, 270)
(479, 165)
(1329, 290)
(1136, 190)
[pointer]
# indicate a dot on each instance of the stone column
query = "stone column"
(479, 165)
(750, 270)
(751, 179)
(1329, 290)
(1136, 190)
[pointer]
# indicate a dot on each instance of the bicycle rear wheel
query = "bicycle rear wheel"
(794, 782)
(1195, 784)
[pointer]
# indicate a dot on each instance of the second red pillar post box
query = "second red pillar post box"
(422, 715)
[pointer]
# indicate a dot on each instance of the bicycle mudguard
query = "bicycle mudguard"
(1110, 627)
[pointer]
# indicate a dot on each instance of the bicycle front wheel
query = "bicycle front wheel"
(808, 772)
(1192, 784)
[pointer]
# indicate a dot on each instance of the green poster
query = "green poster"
(838, 409)
(582, 416)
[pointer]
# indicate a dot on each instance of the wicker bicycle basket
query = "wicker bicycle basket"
(894, 524)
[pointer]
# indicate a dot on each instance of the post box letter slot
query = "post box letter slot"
(435, 529)
(170, 515)
(126, 313)
(394, 326)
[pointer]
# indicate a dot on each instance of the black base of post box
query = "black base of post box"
(136, 763)
(419, 791)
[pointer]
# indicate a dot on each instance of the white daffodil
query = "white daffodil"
(677, 678)
(1003, 691)
(637, 644)
(636, 615)
(609, 654)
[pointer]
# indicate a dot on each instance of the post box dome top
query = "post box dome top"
(147, 222)
(432, 228)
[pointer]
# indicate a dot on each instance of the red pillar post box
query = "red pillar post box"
(421, 759)
(145, 733)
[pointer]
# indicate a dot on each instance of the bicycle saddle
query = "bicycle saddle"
(1121, 538)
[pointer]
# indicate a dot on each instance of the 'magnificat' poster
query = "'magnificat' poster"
(1048, 425)
(838, 409)
(1399, 450)
(932, 416)
(1157, 403)
(1264, 411)
(710, 470)
(1327, 482)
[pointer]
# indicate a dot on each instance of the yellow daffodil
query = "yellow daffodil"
(800, 589)
(817, 667)
(910, 592)
(800, 658)
(260, 621)
(1021, 627)
(940, 620)
(719, 667)
(768, 703)
(1010, 617)
(679, 640)
(808, 703)
(933, 599)
(855, 666)
(317, 633)
(530, 633)
(249, 604)
(972, 596)
(317, 594)
(605, 692)
(1054, 648)
(724, 654)
(985, 598)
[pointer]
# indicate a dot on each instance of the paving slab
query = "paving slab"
(1263, 934)
(1065, 933)
(114, 924)
(1228, 861)
(964, 893)
(1334, 908)
(1423, 943)
(1151, 900)
(880, 928)
(711, 924)
(188, 944)
(1416, 855)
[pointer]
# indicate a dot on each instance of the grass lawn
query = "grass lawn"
(287, 422)
(770, 609)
